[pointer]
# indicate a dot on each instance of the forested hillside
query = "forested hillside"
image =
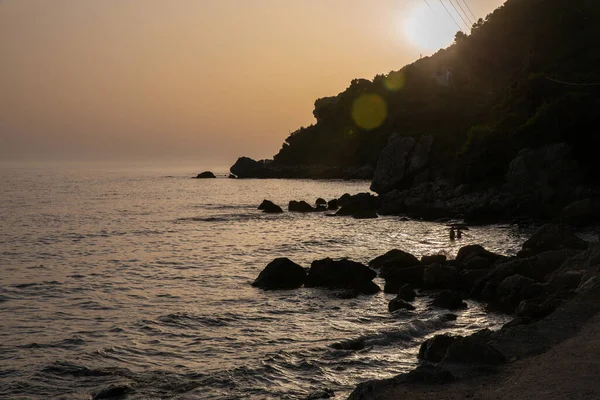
(527, 75)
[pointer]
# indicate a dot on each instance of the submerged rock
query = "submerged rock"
(113, 392)
(399, 304)
(281, 274)
(205, 175)
(407, 293)
(321, 394)
(269, 207)
(350, 344)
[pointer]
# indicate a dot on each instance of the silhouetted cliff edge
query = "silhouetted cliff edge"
(509, 112)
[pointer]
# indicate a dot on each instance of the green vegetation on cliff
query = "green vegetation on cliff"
(527, 75)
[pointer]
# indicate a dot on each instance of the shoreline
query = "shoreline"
(550, 357)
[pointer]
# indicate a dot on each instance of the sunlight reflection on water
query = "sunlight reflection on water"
(131, 277)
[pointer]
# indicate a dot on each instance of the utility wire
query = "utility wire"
(426, 2)
(463, 10)
(572, 83)
(460, 15)
(469, 8)
(450, 14)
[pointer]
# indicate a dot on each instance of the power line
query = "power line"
(572, 83)
(463, 10)
(469, 8)
(450, 14)
(460, 15)
(426, 2)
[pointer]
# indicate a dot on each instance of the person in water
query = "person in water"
(458, 233)
(452, 233)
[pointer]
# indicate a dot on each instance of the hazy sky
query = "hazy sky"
(203, 79)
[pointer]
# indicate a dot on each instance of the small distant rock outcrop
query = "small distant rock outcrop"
(281, 274)
(269, 207)
(205, 175)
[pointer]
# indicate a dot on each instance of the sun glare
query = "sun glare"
(429, 27)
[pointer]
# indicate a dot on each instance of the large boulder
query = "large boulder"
(397, 277)
(342, 274)
(473, 350)
(269, 207)
(449, 300)
(434, 349)
(281, 274)
(543, 264)
(468, 278)
(438, 276)
(474, 250)
(300, 206)
(400, 161)
(246, 167)
(552, 237)
(205, 175)
(395, 257)
(581, 212)
(358, 204)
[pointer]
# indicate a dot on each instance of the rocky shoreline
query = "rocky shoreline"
(551, 288)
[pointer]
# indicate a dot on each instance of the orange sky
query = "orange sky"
(192, 79)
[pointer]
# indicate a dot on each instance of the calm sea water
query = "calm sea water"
(142, 277)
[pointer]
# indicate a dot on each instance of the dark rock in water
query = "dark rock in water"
(449, 300)
(321, 209)
(269, 207)
(347, 294)
(232, 176)
(281, 274)
(360, 203)
(246, 167)
(434, 349)
(351, 344)
(205, 175)
(407, 293)
(473, 350)
(468, 278)
(478, 262)
(467, 252)
(113, 392)
(552, 237)
(342, 274)
(332, 204)
(365, 214)
(396, 258)
(399, 304)
(397, 277)
(321, 394)
(438, 276)
(429, 375)
(300, 206)
(434, 259)
(320, 202)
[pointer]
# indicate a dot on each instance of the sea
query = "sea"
(141, 276)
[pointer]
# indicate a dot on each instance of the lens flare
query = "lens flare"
(369, 111)
(394, 81)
